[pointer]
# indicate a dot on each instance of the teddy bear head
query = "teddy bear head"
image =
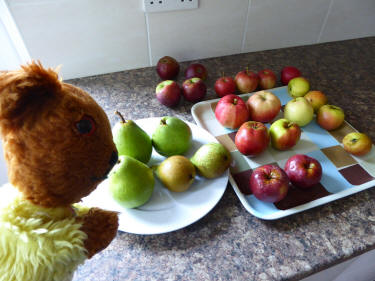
(57, 140)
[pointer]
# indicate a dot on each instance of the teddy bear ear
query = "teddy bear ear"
(24, 90)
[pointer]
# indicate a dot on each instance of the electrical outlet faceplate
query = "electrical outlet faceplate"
(153, 6)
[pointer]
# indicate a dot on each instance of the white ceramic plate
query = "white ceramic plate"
(166, 211)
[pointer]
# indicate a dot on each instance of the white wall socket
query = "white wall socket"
(154, 6)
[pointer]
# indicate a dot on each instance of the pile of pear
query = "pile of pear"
(132, 180)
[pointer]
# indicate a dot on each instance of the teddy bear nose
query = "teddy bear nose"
(113, 159)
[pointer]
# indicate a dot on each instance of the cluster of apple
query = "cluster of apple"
(131, 181)
(306, 103)
(247, 81)
(270, 183)
(169, 92)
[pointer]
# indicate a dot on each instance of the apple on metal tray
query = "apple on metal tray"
(356, 143)
(269, 183)
(252, 138)
(231, 111)
(263, 106)
(303, 171)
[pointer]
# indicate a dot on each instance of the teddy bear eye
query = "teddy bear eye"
(86, 126)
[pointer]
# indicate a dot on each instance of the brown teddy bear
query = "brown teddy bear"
(58, 147)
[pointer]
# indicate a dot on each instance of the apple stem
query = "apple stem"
(222, 74)
(354, 140)
(121, 117)
(235, 101)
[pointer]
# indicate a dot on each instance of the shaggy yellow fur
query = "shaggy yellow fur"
(39, 244)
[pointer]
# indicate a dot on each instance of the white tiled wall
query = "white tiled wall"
(94, 36)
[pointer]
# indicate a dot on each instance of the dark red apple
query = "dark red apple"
(167, 68)
(231, 111)
(225, 86)
(269, 183)
(246, 81)
(194, 89)
(303, 171)
(168, 93)
(252, 138)
(196, 70)
(288, 73)
(267, 79)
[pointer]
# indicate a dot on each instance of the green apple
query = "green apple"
(298, 87)
(284, 134)
(131, 182)
(211, 160)
(172, 136)
(131, 140)
(299, 111)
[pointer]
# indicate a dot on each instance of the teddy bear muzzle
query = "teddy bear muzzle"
(112, 161)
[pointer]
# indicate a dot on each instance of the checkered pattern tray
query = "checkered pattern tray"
(343, 173)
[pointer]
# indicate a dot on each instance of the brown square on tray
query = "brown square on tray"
(297, 196)
(356, 175)
(338, 156)
(342, 131)
(242, 180)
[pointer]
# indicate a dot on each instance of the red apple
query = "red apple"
(303, 171)
(194, 89)
(168, 93)
(267, 79)
(330, 117)
(263, 106)
(196, 70)
(284, 134)
(246, 81)
(252, 138)
(317, 99)
(231, 111)
(225, 86)
(356, 143)
(269, 183)
(288, 73)
(167, 68)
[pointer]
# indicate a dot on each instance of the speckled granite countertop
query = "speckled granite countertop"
(229, 243)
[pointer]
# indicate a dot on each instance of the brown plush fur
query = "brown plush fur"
(50, 162)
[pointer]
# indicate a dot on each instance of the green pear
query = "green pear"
(131, 140)
(176, 173)
(211, 160)
(131, 182)
(172, 137)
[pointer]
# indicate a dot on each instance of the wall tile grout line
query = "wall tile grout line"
(325, 21)
(245, 28)
(148, 39)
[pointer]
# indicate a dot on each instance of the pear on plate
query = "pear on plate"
(177, 173)
(131, 182)
(172, 136)
(132, 140)
(211, 160)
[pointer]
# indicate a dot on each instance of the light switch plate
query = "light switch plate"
(154, 6)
